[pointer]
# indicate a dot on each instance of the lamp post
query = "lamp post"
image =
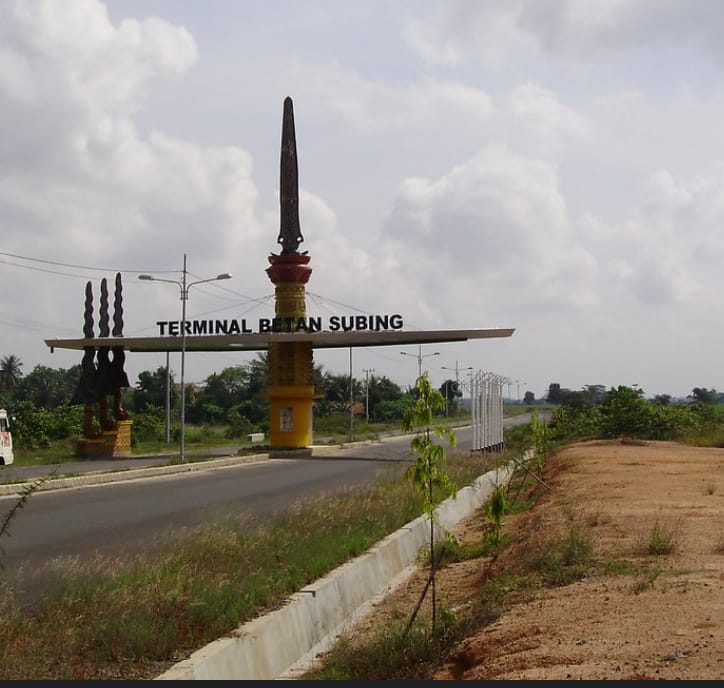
(367, 372)
(520, 382)
(168, 401)
(184, 286)
(351, 398)
(457, 379)
(419, 358)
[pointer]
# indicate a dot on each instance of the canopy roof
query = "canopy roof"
(261, 341)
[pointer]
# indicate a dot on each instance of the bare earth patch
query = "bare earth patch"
(656, 616)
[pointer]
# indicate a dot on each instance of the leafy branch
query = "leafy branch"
(427, 474)
(25, 494)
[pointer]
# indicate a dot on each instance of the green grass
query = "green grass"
(663, 538)
(132, 617)
(393, 653)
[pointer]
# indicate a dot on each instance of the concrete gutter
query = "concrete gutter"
(284, 642)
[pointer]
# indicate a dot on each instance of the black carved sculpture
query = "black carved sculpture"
(103, 371)
(290, 234)
(87, 391)
(118, 378)
(107, 378)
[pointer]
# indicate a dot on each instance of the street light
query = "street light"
(184, 287)
(520, 382)
(419, 358)
(367, 372)
(457, 379)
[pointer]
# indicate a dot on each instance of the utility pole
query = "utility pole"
(367, 372)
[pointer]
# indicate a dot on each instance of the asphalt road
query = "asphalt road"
(131, 514)
(127, 515)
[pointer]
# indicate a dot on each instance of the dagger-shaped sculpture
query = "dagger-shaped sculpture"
(86, 392)
(103, 381)
(119, 380)
(290, 234)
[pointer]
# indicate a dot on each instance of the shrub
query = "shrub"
(238, 425)
(149, 425)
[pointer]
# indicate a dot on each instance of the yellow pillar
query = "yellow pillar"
(291, 389)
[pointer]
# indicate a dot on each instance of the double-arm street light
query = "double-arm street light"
(520, 382)
(457, 371)
(419, 358)
(457, 379)
(184, 286)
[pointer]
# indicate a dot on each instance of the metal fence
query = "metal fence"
(486, 394)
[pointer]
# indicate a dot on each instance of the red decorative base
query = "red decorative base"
(291, 267)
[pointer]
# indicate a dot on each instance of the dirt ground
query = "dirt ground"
(657, 617)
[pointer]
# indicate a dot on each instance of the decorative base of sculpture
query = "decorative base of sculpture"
(109, 444)
(96, 448)
(122, 446)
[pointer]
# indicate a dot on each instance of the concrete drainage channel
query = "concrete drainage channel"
(281, 644)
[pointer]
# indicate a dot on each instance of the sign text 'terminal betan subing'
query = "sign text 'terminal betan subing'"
(336, 323)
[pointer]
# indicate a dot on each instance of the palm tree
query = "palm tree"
(10, 372)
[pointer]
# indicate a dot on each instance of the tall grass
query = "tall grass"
(392, 652)
(133, 617)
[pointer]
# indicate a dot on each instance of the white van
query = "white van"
(6, 440)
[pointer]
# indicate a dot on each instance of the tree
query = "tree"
(382, 390)
(10, 374)
(529, 398)
(227, 388)
(625, 413)
(427, 473)
(255, 407)
(150, 390)
(554, 393)
(595, 393)
(450, 392)
(48, 387)
(575, 399)
(703, 395)
(337, 391)
(236, 392)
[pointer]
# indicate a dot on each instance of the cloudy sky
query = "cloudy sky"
(554, 166)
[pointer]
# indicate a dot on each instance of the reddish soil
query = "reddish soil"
(658, 616)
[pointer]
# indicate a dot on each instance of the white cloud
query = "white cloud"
(448, 33)
(545, 121)
(456, 30)
(554, 167)
(376, 106)
(77, 145)
(481, 212)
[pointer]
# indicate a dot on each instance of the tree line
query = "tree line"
(591, 395)
(42, 400)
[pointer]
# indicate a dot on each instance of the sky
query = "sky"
(552, 166)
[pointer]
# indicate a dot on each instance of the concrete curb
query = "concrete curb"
(283, 642)
(100, 478)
